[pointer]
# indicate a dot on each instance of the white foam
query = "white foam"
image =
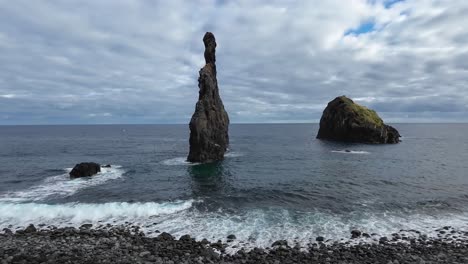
(179, 161)
(75, 214)
(253, 228)
(182, 161)
(351, 151)
(62, 186)
(233, 154)
(260, 228)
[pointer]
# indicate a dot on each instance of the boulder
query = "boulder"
(209, 137)
(344, 120)
(85, 169)
(30, 229)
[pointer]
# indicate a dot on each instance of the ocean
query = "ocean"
(277, 182)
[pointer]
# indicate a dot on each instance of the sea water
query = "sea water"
(276, 182)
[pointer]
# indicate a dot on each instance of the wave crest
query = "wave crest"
(62, 186)
(22, 214)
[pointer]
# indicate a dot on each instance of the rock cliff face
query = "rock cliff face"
(344, 120)
(209, 137)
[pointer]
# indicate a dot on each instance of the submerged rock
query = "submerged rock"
(85, 169)
(344, 120)
(209, 137)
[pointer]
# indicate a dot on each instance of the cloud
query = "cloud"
(137, 61)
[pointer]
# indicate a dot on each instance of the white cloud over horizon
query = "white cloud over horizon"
(125, 61)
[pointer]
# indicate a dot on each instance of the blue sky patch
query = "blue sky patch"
(389, 3)
(364, 28)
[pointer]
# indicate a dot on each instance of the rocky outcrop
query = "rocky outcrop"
(344, 120)
(85, 169)
(209, 137)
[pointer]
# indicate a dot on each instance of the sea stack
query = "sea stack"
(344, 120)
(209, 137)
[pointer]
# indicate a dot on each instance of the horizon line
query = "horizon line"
(236, 123)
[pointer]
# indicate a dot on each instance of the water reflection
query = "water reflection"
(208, 179)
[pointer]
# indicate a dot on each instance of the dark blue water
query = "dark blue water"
(277, 181)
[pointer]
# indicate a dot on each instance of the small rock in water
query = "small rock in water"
(355, 234)
(106, 166)
(85, 169)
(320, 239)
(231, 237)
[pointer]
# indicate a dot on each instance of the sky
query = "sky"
(137, 62)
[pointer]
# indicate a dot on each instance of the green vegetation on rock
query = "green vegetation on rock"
(363, 114)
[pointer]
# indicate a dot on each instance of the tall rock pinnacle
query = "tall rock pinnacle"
(209, 137)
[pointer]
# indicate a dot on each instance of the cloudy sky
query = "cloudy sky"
(128, 61)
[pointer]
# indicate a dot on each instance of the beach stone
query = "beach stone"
(280, 243)
(319, 239)
(209, 137)
(85, 169)
(383, 240)
(86, 226)
(30, 229)
(344, 120)
(165, 236)
(185, 238)
(7, 231)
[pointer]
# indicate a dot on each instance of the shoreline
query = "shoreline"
(119, 244)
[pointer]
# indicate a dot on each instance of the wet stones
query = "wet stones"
(126, 245)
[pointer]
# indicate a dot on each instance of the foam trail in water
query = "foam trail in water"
(233, 154)
(62, 185)
(347, 151)
(22, 214)
(182, 161)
